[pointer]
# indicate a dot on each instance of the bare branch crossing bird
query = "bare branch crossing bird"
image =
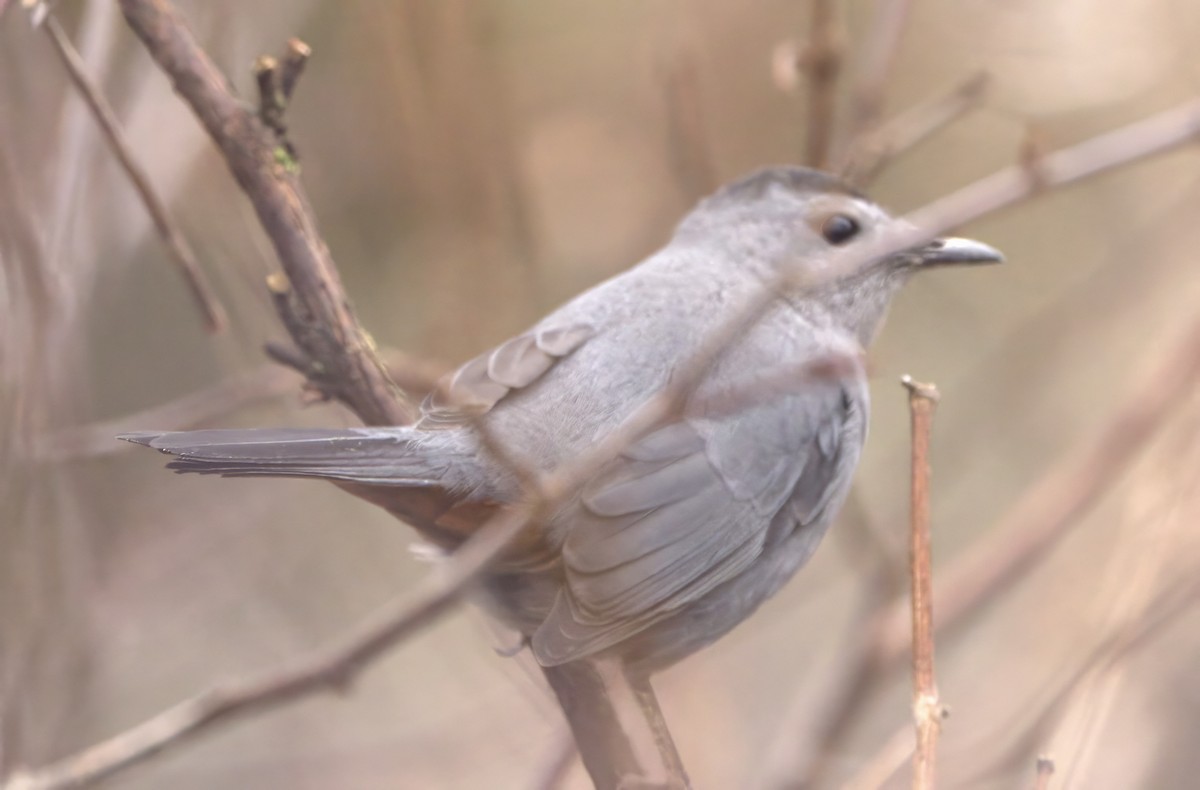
(684, 534)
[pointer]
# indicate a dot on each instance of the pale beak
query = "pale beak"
(951, 250)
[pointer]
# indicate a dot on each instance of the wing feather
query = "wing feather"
(477, 386)
(689, 507)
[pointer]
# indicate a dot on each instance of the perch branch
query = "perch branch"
(329, 332)
(927, 707)
(177, 245)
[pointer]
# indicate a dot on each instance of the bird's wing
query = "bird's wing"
(691, 506)
(480, 384)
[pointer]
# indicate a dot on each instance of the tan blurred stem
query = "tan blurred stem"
(872, 151)
(821, 62)
(688, 145)
(322, 323)
(285, 214)
(927, 707)
(879, 50)
(177, 245)
(1178, 598)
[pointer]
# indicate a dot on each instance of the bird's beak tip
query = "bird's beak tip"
(952, 250)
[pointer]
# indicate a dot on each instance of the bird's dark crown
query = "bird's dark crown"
(799, 180)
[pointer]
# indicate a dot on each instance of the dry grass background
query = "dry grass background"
(474, 163)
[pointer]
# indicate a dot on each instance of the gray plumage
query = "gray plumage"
(695, 524)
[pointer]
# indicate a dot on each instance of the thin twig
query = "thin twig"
(871, 152)
(267, 174)
(927, 707)
(177, 245)
(821, 62)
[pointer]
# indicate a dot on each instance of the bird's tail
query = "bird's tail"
(370, 456)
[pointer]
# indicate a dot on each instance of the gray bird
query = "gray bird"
(695, 524)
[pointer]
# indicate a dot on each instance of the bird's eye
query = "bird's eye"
(840, 228)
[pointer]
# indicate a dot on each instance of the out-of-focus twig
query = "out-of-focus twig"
(415, 376)
(821, 62)
(323, 324)
(927, 707)
(688, 146)
(176, 243)
(553, 772)
(879, 50)
(880, 767)
(873, 150)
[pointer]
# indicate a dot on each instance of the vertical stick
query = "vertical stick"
(821, 61)
(927, 709)
(617, 725)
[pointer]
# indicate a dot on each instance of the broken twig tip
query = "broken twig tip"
(920, 389)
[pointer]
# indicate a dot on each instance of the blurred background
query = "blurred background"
(473, 164)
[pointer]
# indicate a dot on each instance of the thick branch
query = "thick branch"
(332, 337)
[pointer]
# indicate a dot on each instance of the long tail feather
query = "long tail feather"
(379, 456)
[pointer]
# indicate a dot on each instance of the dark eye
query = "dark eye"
(839, 229)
